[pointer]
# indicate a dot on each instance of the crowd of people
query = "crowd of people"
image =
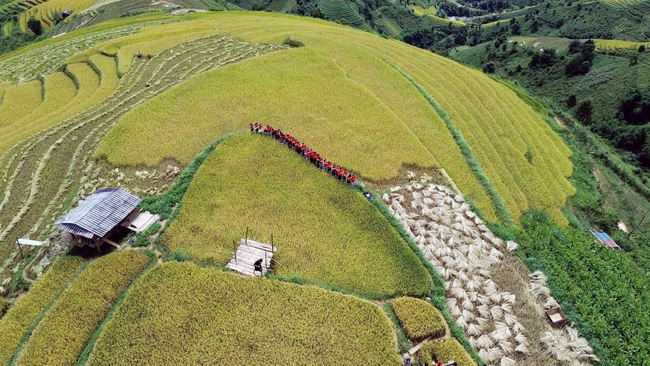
(306, 152)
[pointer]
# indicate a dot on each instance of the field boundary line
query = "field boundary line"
(90, 345)
(33, 326)
(501, 210)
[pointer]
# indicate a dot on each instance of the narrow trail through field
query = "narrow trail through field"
(42, 171)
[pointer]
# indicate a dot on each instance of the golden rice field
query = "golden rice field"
(325, 232)
(232, 320)
(61, 336)
(15, 324)
(431, 13)
(500, 128)
(418, 318)
(614, 44)
(43, 11)
(448, 349)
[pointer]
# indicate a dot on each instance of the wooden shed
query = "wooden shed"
(99, 215)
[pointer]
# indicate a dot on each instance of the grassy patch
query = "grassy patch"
(229, 319)
(325, 232)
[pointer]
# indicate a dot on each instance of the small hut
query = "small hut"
(97, 217)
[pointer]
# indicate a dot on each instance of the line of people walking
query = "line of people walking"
(304, 150)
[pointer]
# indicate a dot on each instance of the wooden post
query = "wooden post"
(234, 246)
(20, 249)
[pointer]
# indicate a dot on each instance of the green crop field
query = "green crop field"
(15, 324)
(561, 44)
(623, 3)
(228, 319)
(61, 336)
(325, 232)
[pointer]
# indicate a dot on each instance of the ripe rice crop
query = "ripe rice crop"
(418, 318)
(88, 83)
(15, 324)
(59, 90)
(61, 336)
(20, 100)
(325, 232)
(230, 319)
(303, 94)
(527, 164)
(446, 350)
(43, 11)
(614, 44)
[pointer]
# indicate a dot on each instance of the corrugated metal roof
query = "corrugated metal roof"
(99, 213)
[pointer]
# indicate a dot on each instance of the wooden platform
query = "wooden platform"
(247, 253)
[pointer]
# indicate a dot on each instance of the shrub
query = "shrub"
(444, 351)
(35, 26)
(571, 101)
(15, 324)
(4, 304)
(62, 334)
(418, 318)
(489, 68)
(229, 319)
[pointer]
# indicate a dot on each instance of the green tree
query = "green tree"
(585, 109)
(35, 26)
(571, 101)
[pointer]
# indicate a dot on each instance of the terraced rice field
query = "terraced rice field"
(62, 334)
(48, 56)
(341, 11)
(623, 3)
(502, 131)
(15, 324)
(229, 319)
(614, 44)
(41, 172)
(44, 11)
(389, 26)
(283, 6)
(430, 14)
(562, 44)
(325, 232)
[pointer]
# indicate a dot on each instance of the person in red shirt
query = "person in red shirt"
(353, 180)
(252, 127)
